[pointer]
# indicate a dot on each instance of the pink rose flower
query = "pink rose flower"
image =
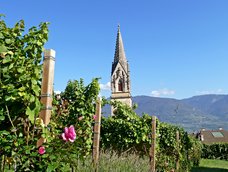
(94, 117)
(41, 150)
(69, 134)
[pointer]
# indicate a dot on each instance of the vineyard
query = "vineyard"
(68, 137)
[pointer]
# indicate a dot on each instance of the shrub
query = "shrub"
(215, 151)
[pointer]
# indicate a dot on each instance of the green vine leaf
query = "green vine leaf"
(3, 49)
(30, 114)
(2, 118)
(8, 41)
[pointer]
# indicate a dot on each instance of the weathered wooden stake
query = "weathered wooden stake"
(47, 88)
(178, 147)
(153, 145)
(3, 163)
(96, 137)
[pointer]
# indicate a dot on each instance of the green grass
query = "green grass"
(209, 165)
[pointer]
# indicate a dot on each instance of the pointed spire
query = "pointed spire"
(119, 52)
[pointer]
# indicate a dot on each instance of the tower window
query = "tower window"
(120, 86)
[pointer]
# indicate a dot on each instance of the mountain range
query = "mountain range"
(193, 114)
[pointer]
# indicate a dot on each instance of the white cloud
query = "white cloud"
(106, 86)
(162, 92)
(57, 92)
(218, 91)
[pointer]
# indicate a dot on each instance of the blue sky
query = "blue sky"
(175, 48)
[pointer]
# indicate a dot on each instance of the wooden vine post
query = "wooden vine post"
(47, 89)
(153, 145)
(178, 149)
(96, 137)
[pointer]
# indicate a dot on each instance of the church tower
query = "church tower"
(120, 74)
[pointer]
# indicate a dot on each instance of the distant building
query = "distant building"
(213, 136)
(120, 74)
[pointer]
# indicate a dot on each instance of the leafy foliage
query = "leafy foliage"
(20, 80)
(80, 111)
(215, 151)
(127, 132)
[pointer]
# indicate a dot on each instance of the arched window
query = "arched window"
(120, 85)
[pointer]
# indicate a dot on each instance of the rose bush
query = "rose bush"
(20, 127)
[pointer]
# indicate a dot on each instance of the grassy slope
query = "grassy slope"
(208, 165)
